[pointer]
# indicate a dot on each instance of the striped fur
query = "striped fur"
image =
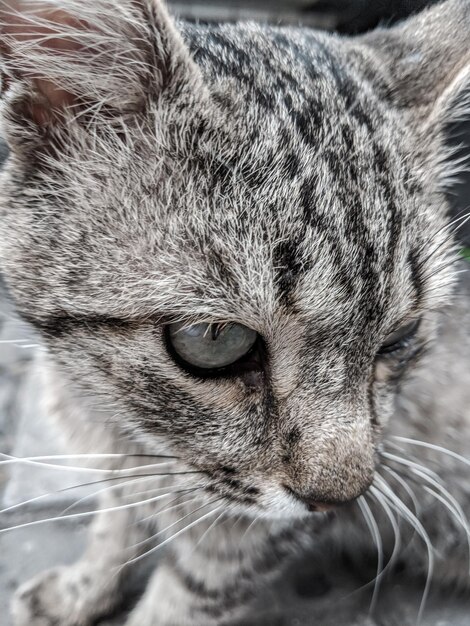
(282, 178)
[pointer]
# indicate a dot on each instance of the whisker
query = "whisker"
(156, 514)
(405, 512)
(250, 526)
(460, 220)
(205, 533)
(437, 269)
(462, 522)
(447, 499)
(91, 483)
(445, 494)
(411, 464)
(152, 490)
(436, 448)
(416, 505)
(42, 461)
(394, 524)
(406, 487)
(85, 513)
(170, 507)
(177, 534)
(60, 491)
(376, 536)
(13, 341)
(152, 537)
(432, 250)
(107, 489)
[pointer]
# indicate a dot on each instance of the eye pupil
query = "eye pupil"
(215, 331)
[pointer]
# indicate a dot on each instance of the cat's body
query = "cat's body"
(286, 181)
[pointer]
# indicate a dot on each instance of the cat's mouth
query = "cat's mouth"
(278, 501)
(312, 501)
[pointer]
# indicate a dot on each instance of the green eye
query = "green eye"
(211, 346)
(400, 338)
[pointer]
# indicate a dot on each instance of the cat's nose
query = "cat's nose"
(313, 501)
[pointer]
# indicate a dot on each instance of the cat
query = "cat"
(235, 245)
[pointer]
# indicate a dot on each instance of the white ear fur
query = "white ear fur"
(426, 57)
(425, 62)
(452, 108)
(94, 55)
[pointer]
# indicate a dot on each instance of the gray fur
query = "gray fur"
(289, 180)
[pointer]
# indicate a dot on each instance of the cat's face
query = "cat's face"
(276, 190)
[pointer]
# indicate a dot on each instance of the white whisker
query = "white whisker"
(436, 448)
(177, 534)
(152, 537)
(406, 487)
(13, 341)
(205, 533)
(457, 509)
(405, 512)
(85, 513)
(134, 477)
(168, 508)
(116, 487)
(42, 461)
(66, 489)
(250, 526)
(411, 464)
(376, 536)
(394, 524)
(461, 520)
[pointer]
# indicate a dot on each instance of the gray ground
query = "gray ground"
(305, 596)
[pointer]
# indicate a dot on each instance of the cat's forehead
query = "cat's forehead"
(287, 190)
(306, 243)
(247, 216)
(308, 80)
(242, 234)
(307, 176)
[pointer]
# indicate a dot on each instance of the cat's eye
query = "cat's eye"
(399, 338)
(211, 346)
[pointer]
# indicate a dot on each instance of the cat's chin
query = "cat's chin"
(281, 507)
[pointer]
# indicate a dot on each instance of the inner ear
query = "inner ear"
(88, 60)
(94, 55)
(43, 29)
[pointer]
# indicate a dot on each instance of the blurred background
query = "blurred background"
(349, 16)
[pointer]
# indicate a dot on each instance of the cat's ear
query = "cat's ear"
(425, 62)
(88, 59)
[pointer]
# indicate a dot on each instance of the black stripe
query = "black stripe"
(56, 326)
(225, 597)
(416, 275)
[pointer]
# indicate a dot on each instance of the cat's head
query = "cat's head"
(235, 237)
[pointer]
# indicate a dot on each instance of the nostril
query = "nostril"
(313, 502)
